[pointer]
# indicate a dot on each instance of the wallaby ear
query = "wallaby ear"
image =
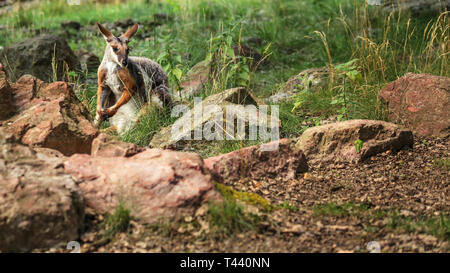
(106, 33)
(127, 35)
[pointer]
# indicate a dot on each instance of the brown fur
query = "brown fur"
(127, 77)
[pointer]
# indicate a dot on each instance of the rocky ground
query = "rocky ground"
(400, 200)
(331, 188)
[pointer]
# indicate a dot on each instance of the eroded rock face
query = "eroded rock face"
(40, 205)
(49, 115)
(279, 160)
(108, 146)
(421, 102)
(335, 142)
(152, 184)
(34, 56)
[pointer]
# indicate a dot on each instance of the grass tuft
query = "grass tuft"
(118, 221)
(228, 217)
(340, 210)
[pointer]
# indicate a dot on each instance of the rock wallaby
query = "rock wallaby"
(126, 84)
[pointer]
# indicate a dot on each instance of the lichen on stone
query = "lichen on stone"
(248, 197)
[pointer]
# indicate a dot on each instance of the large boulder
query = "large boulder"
(40, 205)
(211, 118)
(153, 184)
(50, 115)
(352, 141)
(260, 162)
(6, 98)
(41, 56)
(421, 102)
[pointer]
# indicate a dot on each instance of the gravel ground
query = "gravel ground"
(399, 200)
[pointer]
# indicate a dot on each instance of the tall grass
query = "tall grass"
(385, 47)
(293, 35)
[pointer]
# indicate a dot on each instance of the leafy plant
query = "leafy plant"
(227, 69)
(349, 70)
(171, 62)
(358, 145)
(343, 72)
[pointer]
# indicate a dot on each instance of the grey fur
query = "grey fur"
(152, 85)
(157, 79)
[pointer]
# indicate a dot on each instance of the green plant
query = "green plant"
(150, 122)
(436, 226)
(343, 72)
(118, 221)
(227, 69)
(443, 163)
(171, 62)
(228, 217)
(288, 206)
(164, 227)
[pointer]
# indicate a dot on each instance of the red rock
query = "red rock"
(282, 163)
(421, 102)
(108, 146)
(335, 142)
(49, 115)
(40, 205)
(153, 184)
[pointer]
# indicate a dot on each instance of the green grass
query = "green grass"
(148, 125)
(442, 163)
(294, 35)
(288, 206)
(118, 221)
(439, 226)
(228, 217)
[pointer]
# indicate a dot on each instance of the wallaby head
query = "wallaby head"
(117, 47)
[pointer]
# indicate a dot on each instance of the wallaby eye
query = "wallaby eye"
(115, 49)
